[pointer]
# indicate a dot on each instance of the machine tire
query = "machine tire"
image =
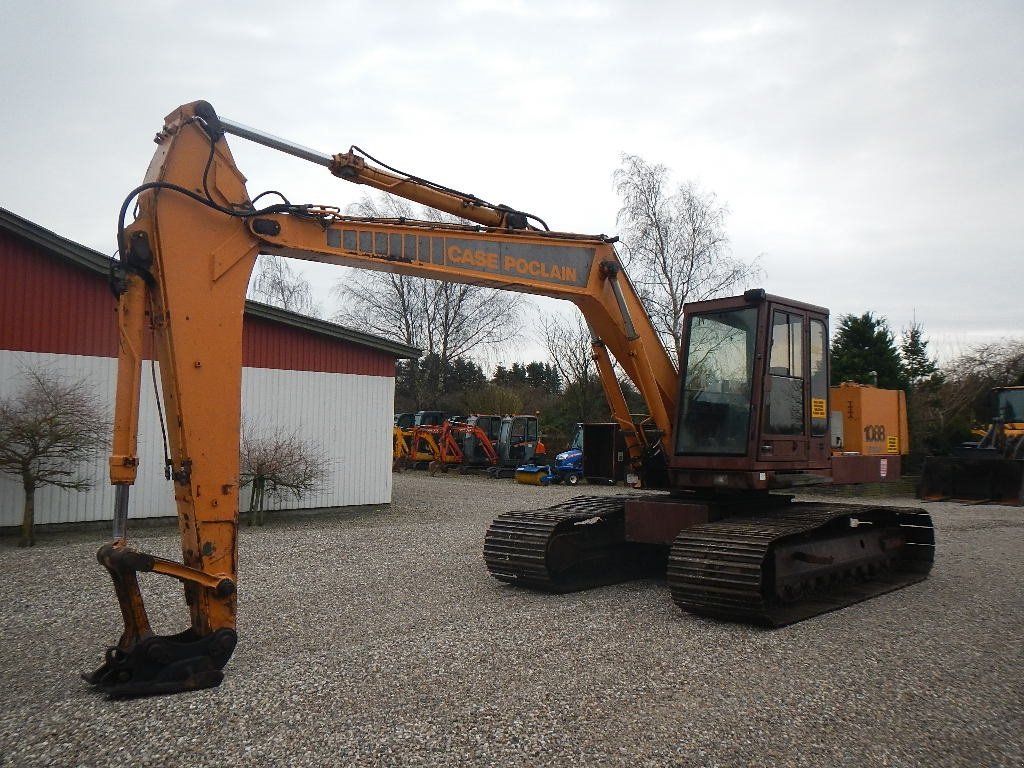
(572, 478)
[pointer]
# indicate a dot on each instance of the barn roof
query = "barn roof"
(95, 261)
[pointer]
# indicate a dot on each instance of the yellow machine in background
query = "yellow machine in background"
(1006, 432)
(991, 469)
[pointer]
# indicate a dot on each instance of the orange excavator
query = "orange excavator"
(747, 413)
(442, 446)
(493, 443)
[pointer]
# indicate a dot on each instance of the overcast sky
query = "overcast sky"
(871, 152)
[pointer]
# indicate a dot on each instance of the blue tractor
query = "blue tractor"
(568, 465)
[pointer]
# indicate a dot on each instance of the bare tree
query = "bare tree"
(674, 245)
(277, 283)
(967, 381)
(277, 463)
(48, 428)
(568, 344)
(449, 320)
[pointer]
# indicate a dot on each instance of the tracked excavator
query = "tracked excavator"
(747, 413)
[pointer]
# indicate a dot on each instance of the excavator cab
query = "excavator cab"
(478, 437)
(753, 401)
(1010, 407)
(518, 440)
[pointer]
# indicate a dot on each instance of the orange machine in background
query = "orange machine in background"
(869, 433)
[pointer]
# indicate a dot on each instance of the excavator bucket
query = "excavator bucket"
(978, 478)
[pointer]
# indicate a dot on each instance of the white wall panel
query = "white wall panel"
(350, 416)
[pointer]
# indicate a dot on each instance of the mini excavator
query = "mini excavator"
(746, 414)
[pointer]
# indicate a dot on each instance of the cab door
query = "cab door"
(522, 439)
(794, 413)
(784, 433)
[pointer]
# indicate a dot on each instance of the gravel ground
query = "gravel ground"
(376, 637)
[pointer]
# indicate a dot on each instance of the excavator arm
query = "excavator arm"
(360, 168)
(185, 265)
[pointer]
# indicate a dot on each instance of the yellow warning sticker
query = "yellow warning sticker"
(818, 408)
(892, 444)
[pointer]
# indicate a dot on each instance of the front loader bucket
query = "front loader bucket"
(995, 480)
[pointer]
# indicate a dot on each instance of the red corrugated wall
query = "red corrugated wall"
(48, 304)
(267, 344)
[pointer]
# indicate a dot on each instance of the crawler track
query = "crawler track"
(568, 547)
(798, 562)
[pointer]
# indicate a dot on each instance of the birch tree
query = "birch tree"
(674, 245)
(276, 282)
(568, 344)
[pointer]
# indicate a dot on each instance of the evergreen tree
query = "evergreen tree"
(510, 377)
(414, 381)
(544, 377)
(463, 375)
(924, 401)
(535, 375)
(500, 375)
(517, 375)
(864, 351)
(917, 365)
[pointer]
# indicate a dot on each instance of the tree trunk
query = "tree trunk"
(28, 535)
(256, 503)
(250, 514)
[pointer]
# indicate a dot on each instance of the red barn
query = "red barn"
(332, 385)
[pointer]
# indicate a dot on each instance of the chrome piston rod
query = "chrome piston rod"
(268, 140)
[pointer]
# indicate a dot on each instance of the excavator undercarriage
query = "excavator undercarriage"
(780, 563)
(798, 562)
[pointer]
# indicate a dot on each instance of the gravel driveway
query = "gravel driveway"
(375, 636)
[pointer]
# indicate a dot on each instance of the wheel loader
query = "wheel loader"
(990, 469)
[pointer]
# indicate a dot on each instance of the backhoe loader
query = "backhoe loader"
(746, 414)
